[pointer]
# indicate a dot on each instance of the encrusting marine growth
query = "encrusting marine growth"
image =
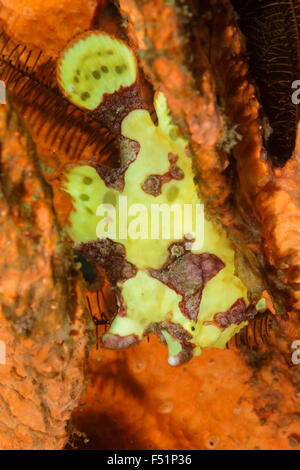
(186, 292)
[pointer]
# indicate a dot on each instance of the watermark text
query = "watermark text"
(157, 222)
(2, 92)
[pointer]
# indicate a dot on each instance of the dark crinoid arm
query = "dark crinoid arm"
(30, 81)
(271, 29)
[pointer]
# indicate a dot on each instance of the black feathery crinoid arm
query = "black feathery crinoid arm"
(272, 36)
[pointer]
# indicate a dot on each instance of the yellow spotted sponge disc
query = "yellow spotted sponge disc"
(95, 64)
